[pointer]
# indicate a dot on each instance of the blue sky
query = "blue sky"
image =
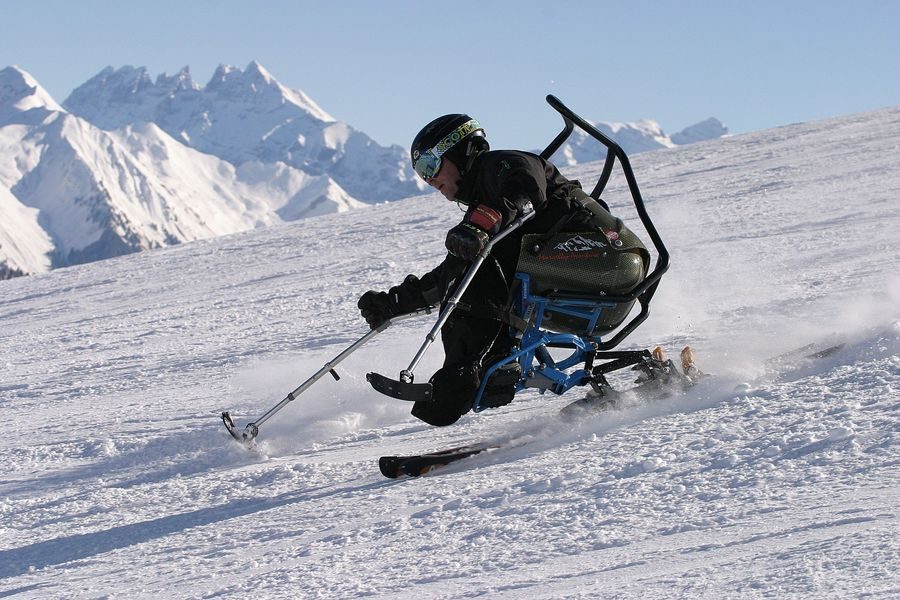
(387, 67)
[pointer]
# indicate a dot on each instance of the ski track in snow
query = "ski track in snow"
(767, 480)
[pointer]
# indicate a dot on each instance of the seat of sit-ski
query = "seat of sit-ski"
(577, 271)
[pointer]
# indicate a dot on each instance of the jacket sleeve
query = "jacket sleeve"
(512, 182)
(431, 288)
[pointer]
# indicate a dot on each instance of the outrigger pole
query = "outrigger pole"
(251, 430)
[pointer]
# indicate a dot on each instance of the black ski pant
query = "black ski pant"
(466, 340)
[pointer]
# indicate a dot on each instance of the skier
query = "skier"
(452, 154)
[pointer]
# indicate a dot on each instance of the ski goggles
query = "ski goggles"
(428, 164)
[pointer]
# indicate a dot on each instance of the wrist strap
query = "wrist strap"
(485, 217)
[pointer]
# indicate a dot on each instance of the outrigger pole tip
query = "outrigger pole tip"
(246, 437)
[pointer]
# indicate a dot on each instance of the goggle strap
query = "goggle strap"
(455, 136)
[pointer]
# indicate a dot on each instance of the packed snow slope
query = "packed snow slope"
(770, 479)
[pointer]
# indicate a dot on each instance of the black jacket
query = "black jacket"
(504, 180)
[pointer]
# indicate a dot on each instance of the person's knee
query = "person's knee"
(453, 391)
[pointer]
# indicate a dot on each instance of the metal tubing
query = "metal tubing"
(647, 288)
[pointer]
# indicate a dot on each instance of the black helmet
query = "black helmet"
(440, 139)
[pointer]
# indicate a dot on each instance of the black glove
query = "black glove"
(466, 241)
(376, 308)
(521, 202)
(470, 237)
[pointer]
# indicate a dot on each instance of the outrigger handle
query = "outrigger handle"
(405, 388)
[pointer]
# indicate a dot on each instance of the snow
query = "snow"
(768, 479)
(17, 251)
(708, 129)
(19, 91)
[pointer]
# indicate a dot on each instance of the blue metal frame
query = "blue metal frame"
(539, 369)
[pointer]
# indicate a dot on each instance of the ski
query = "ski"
(245, 438)
(415, 465)
(809, 352)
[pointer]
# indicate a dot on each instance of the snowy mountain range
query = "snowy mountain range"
(71, 192)
(127, 163)
(242, 116)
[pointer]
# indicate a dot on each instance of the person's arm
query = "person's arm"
(412, 294)
(518, 180)
(508, 183)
